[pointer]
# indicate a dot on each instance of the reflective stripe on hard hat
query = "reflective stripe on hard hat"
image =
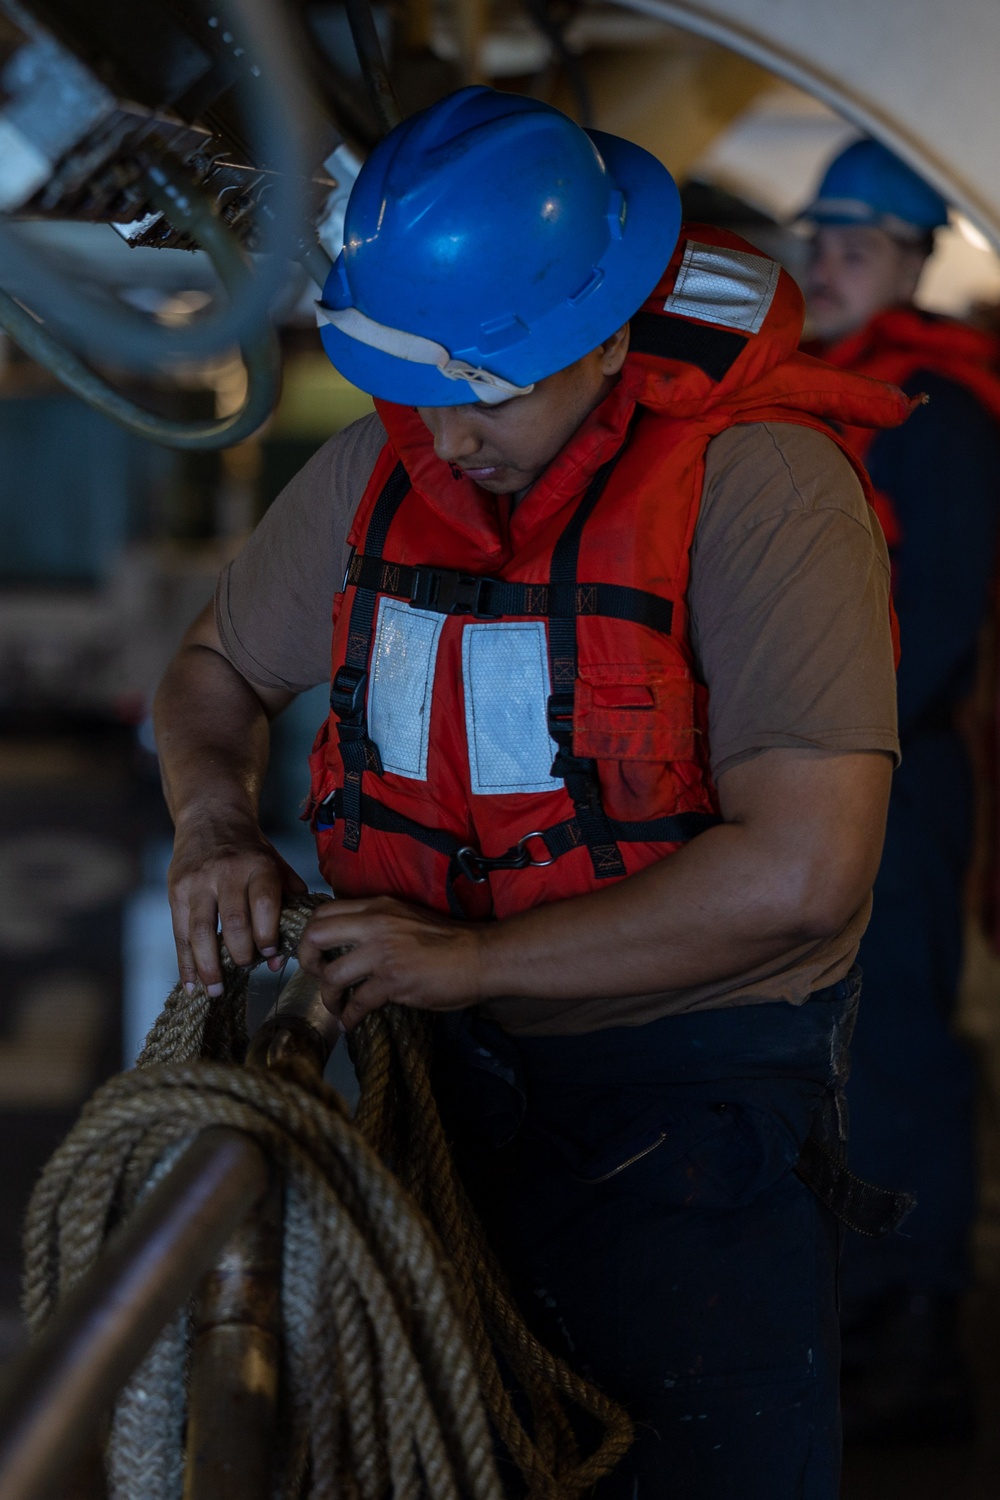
(486, 387)
(853, 211)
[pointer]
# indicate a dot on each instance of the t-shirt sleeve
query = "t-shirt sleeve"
(789, 598)
(274, 602)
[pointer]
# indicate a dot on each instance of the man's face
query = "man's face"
(504, 448)
(856, 271)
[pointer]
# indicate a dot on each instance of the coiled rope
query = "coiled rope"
(395, 1310)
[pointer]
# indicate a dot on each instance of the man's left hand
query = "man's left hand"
(397, 952)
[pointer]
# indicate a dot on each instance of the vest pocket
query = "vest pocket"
(631, 713)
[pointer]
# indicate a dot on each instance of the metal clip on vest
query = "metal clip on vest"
(476, 867)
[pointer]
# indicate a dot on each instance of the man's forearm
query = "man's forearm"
(720, 906)
(790, 866)
(744, 893)
(212, 736)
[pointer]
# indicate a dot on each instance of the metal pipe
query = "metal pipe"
(373, 65)
(56, 1392)
(88, 1479)
(297, 1025)
(236, 1325)
(235, 1362)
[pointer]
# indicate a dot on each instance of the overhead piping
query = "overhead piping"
(374, 69)
(260, 353)
(272, 95)
(540, 12)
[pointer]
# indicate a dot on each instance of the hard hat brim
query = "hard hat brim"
(630, 268)
(821, 212)
(864, 216)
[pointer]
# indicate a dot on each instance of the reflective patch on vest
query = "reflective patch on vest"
(505, 669)
(402, 682)
(722, 286)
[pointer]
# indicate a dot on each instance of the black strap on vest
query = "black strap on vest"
(446, 591)
(466, 861)
(579, 774)
(867, 1209)
(349, 688)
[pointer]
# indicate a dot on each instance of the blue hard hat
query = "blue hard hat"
(867, 184)
(490, 241)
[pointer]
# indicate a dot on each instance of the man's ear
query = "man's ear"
(614, 350)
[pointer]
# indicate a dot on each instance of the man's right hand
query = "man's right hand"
(225, 870)
(212, 734)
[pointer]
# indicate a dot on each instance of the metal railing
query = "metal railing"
(210, 1230)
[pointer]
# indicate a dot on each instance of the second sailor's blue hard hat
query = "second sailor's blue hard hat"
(867, 184)
(489, 241)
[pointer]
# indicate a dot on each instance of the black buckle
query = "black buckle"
(573, 765)
(559, 717)
(448, 592)
(347, 692)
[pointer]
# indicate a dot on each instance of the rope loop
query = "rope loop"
(398, 1320)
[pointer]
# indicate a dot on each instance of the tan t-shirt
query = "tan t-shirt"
(789, 622)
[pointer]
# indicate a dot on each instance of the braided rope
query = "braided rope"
(391, 1340)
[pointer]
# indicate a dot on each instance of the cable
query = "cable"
(272, 96)
(259, 345)
(373, 64)
(260, 353)
(540, 12)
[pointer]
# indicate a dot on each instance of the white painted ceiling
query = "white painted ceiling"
(921, 75)
(773, 156)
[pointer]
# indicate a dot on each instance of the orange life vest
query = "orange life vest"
(898, 344)
(516, 715)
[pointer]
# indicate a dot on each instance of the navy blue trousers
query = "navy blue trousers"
(911, 1092)
(639, 1187)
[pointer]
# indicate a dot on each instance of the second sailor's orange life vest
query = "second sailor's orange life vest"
(901, 343)
(516, 715)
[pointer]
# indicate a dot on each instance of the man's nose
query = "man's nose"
(454, 436)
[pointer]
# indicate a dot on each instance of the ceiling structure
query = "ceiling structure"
(918, 74)
(697, 82)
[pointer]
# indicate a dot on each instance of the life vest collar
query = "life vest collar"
(765, 371)
(717, 341)
(473, 512)
(901, 341)
(912, 328)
